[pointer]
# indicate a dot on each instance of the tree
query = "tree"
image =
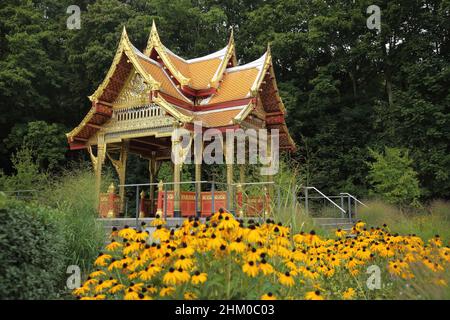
(47, 142)
(27, 175)
(393, 178)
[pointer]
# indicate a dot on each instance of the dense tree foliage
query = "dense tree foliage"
(393, 177)
(346, 88)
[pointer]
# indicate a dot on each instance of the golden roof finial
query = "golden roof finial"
(231, 40)
(153, 39)
(124, 32)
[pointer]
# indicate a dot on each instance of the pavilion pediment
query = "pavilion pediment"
(134, 93)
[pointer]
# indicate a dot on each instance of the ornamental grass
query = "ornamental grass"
(225, 258)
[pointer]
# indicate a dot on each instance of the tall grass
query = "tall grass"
(285, 206)
(73, 194)
(425, 222)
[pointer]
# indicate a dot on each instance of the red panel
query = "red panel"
(220, 201)
(187, 204)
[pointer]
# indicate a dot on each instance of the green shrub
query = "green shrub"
(32, 252)
(393, 178)
(27, 175)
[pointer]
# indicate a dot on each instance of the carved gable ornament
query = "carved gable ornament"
(134, 93)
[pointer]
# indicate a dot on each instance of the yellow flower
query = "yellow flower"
(265, 267)
(286, 279)
(349, 294)
(81, 291)
(131, 295)
(394, 268)
(127, 233)
(313, 295)
(185, 264)
(182, 275)
(250, 269)
(132, 247)
(141, 235)
(190, 296)
(151, 289)
(97, 274)
(359, 225)
(158, 221)
(340, 233)
(170, 278)
(268, 296)
(166, 291)
(117, 288)
(161, 234)
(149, 272)
(228, 223)
(102, 260)
(237, 246)
(198, 277)
(253, 235)
(114, 245)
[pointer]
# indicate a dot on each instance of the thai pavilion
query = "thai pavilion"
(146, 95)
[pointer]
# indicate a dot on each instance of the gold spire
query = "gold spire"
(155, 43)
(268, 49)
(230, 54)
(153, 39)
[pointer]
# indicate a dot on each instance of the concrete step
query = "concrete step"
(334, 223)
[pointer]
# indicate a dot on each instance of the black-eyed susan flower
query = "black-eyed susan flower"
(131, 295)
(166, 291)
(286, 279)
(340, 233)
(265, 267)
(102, 260)
(114, 245)
(313, 295)
(117, 288)
(190, 296)
(348, 294)
(250, 268)
(184, 263)
(170, 278)
(268, 296)
(182, 275)
(127, 233)
(199, 277)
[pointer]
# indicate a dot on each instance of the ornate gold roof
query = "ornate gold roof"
(212, 88)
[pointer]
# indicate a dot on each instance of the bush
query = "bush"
(32, 252)
(393, 178)
(27, 175)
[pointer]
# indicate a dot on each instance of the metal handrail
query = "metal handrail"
(164, 183)
(354, 198)
(326, 197)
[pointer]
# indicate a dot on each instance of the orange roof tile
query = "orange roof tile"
(157, 73)
(221, 118)
(235, 85)
(200, 71)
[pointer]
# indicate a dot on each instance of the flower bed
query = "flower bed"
(225, 259)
